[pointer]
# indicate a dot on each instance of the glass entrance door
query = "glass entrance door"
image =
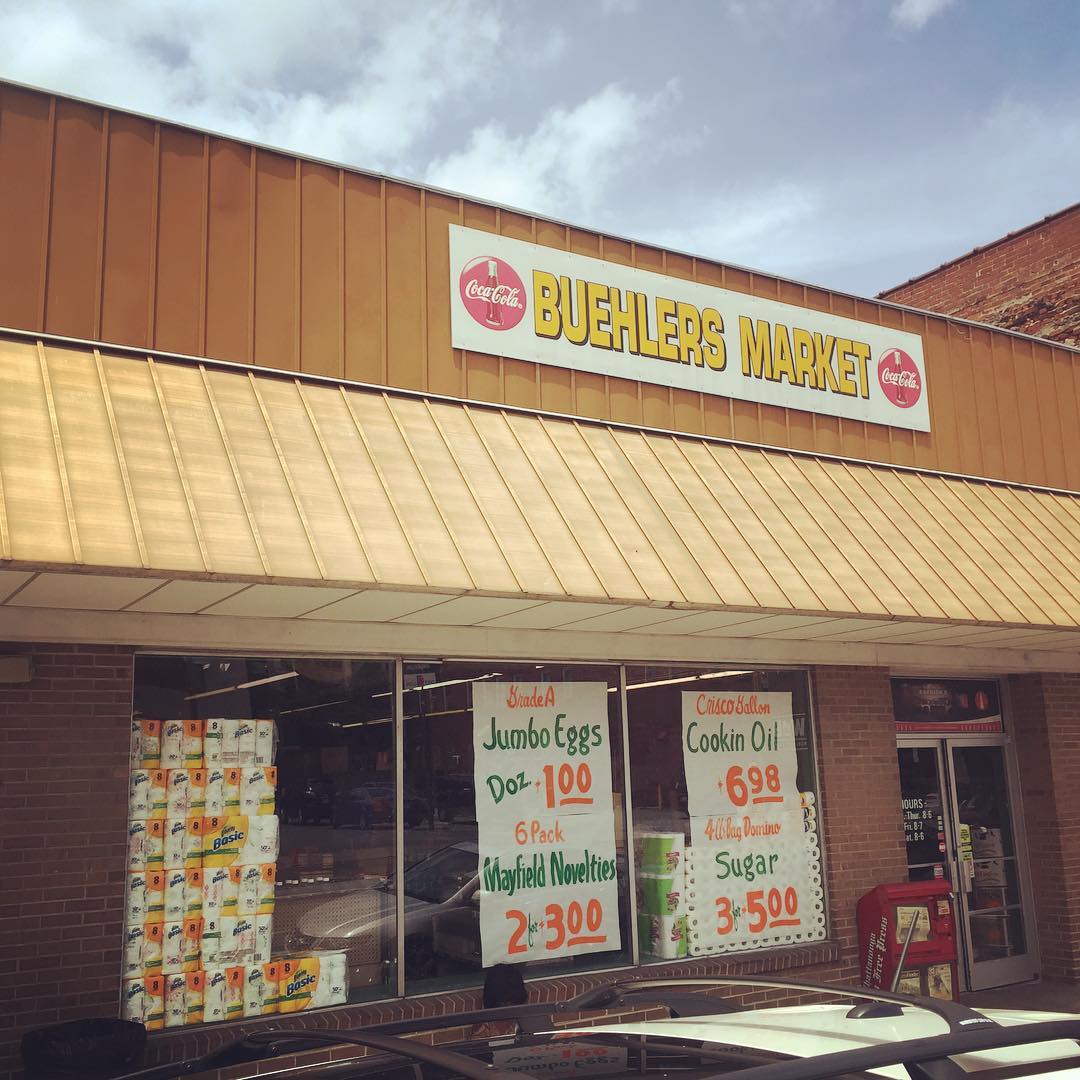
(991, 882)
(958, 827)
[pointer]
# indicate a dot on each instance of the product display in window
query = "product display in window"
(203, 842)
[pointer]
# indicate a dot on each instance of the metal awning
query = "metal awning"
(164, 469)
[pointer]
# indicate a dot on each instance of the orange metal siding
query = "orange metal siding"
(145, 234)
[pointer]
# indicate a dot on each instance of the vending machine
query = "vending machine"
(918, 915)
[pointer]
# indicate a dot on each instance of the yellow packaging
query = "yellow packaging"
(197, 797)
(153, 940)
(158, 797)
(230, 894)
(261, 989)
(234, 992)
(224, 839)
(230, 789)
(267, 889)
(155, 844)
(150, 744)
(194, 996)
(155, 895)
(192, 744)
(193, 893)
(154, 1002)
(312, 982)
(181, 946)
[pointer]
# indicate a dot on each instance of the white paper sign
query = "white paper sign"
(513, 298)
(548, 872)
(754, 865)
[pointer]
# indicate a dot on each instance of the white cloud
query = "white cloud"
(360, 82)
(915, 14)
(566, 164)
(750, 228)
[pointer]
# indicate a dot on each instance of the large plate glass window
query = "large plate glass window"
(261, 837)
(515, 839)
(725, 810)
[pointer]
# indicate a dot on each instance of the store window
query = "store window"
(724, 794)
(261, 837)
(515, 838)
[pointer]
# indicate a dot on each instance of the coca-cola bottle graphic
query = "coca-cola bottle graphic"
(898, 366)
(493, 315)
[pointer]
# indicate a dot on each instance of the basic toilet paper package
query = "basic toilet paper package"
(248, 888)
(230, 789)
(260, 953)
(183, 893)
(181, 946)
(214, 790)
(234, 992)
(261, 989)
(192, 744)
(149, 744)
(136, 857)
(239, 838)
(143, 1000)
(184, 998)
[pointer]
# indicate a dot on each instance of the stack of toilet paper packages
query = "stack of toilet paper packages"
(661, 894)
(237, 991)
(202, 851)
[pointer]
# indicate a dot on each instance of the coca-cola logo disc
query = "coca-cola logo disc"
(492, 293)
(899, 378)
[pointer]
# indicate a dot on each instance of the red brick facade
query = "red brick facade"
(64, 801)
(1028, 281)
(1046, 709)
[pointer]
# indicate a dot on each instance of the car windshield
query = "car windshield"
(439, 876)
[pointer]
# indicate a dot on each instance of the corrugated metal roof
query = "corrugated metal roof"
(117, 461)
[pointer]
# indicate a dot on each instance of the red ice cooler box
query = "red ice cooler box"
(884, 916)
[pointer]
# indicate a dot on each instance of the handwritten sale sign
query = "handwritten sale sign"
(548, 872)
(755, 866)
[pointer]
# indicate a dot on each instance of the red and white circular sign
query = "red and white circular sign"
(492, 293)
(899, 378)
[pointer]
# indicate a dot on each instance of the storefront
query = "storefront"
(392, 586)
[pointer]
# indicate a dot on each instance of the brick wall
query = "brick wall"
(63, 804)
(63, 795)
(1028, 281)
(1046, 712)
(860, 783)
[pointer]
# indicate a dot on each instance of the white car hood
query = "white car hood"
(811, 1030)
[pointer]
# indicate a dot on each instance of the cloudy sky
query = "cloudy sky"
(850, 143)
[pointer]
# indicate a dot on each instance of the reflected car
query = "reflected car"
(442, 909)
(309, 802)
(361, 804)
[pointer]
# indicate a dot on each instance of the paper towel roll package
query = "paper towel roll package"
(154, 886)
(660, 852)
(230, 788)
(260, 989)
(234, 992)
(135, 901)
(260, 954)
(258, 786)
(213, 742)
(183, 894)
(172, 744)
(267, 889)
(249, 882)
(136, 858)
(195, 982)
(265, 742)
(214, 980)
(215, 887)
(181, 946)
(662, 936)
(153, 947)
(312, 982)
(178, 846)
(150, 744)
(139, 795)
(154, 1002)
(238, 742)
(158, 796)
(133, 950)
(660, 894)
(192, 744)
(214, 793)
(176, 1000)
(155, 844)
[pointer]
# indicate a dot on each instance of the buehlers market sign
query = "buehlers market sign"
(512, 298)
